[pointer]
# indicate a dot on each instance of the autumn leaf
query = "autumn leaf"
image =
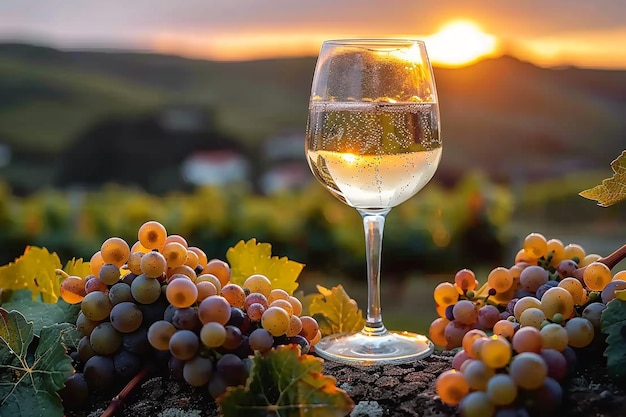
(35, 271)
(613, 322)
(248, 258)
(77, 267)
(612, 189)
(335, 311)
(29, 381)
(286, 383)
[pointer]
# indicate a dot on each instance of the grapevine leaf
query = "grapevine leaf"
(613, 321)
(77, 267)
(335, 311)
(612, 189)
(248, 258)
(41, 314)
(29, 380)
(286, 383)
(35, 271)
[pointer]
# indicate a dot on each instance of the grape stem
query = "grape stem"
(117, 402)
(610, 261)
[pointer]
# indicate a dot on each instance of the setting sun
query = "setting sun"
(459, 43)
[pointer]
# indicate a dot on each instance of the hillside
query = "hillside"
(502, 115)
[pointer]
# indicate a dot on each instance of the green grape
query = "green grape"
(477, 374)
(295, 326)
(257, 298)
(234, 294)
(258, 283)
(451, 387)
(524, 303)
(186, 319)
(119, 293)
(181, 271)
(115, 251)
(99, 372)
(533, 277)
(213, 334)
(220, 269)
(85, 351)
(205, 289)
(277, 294)
(137, 341)
(104, 339)
(134, 262)
(75, 393)
(214, 309)
(476, 404)
(126, 317)
(202, 258)
(596, 276)
(500, 279)
(465, 279)
(593, 313)
(469, 338)
(501, 390)
(579, 332)
(527, 339)
(159, 334)
(152, 235)
(109, 274)
(153, 264)
(589, 259)
(532, 317)
(528, 370)
(436, 331)
(84, 325)
(504, 328)
(181, 292)
(296, 305)
(284, 304)
(445, 294)
(535, 244)
(73, 289)
(212, 279)
(554, 336)
(261, 340)
(255, 312)
(96, 306)
(575, 288)
(556, 248)
(495, 352)
(557, 300)
(184, 344)
(175, 254)
(198, 371)
(145, 290)
(96, 262)
(275, 320)
(574, 251)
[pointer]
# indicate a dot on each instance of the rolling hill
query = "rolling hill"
(502, 115)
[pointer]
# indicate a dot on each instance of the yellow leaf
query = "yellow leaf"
(35, 270)
(335, 311)
(620, 295)
(248, 258)
(77, 267)
(612, 189)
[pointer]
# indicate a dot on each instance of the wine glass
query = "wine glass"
(372, 139)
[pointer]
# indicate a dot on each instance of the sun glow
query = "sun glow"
(460, 43)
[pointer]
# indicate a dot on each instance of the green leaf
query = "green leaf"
(613, 322)
(35, 270)
(285, 383)
(335, 311)
(41, 314)
(29, 381)
(248, 258)
(612, 189)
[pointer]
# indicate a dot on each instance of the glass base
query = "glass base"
(363, 349)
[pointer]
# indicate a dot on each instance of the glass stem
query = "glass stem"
(374, 224)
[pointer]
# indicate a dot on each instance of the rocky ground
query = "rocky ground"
(378, 391)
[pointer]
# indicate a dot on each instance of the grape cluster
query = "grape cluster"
(520, 331)
(163, 300)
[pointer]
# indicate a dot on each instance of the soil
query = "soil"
(377, 391)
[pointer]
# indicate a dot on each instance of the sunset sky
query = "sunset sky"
(548, 33)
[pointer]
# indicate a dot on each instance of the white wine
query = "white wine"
(373, 155)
